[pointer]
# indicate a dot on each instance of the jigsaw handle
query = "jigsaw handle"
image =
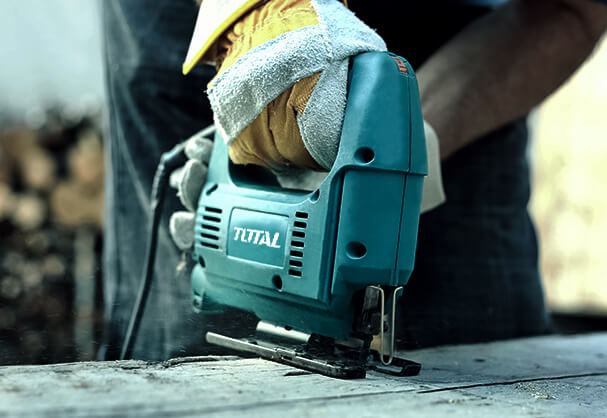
(383, 126)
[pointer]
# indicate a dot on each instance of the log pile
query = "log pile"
(51, 218)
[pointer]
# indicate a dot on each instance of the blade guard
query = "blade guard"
(297, 258)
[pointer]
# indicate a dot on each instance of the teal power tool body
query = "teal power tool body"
(329, 263)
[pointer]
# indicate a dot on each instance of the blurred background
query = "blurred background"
(51, 180)
(51, 186)
(569, 202)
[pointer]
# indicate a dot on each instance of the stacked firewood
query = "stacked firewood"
(51, 216)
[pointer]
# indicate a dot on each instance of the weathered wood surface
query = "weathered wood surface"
(545, 376)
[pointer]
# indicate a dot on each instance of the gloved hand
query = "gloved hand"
(189, 180)
(433, 194)
(280, 93)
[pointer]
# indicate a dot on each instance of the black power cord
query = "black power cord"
(169, 161)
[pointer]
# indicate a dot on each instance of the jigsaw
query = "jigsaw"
(323, 270)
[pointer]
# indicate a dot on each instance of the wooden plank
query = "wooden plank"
(537, 376)
(512, 359)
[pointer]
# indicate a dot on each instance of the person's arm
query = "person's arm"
(503, 65)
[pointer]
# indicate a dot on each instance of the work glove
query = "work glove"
(433, 193)
(279, 95)
(188, 181)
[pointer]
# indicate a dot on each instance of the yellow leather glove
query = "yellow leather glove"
(270, 57)
(273, 139)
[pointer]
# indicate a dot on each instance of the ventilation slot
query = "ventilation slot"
(211, 221)
(297, 244)
(296, 263)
